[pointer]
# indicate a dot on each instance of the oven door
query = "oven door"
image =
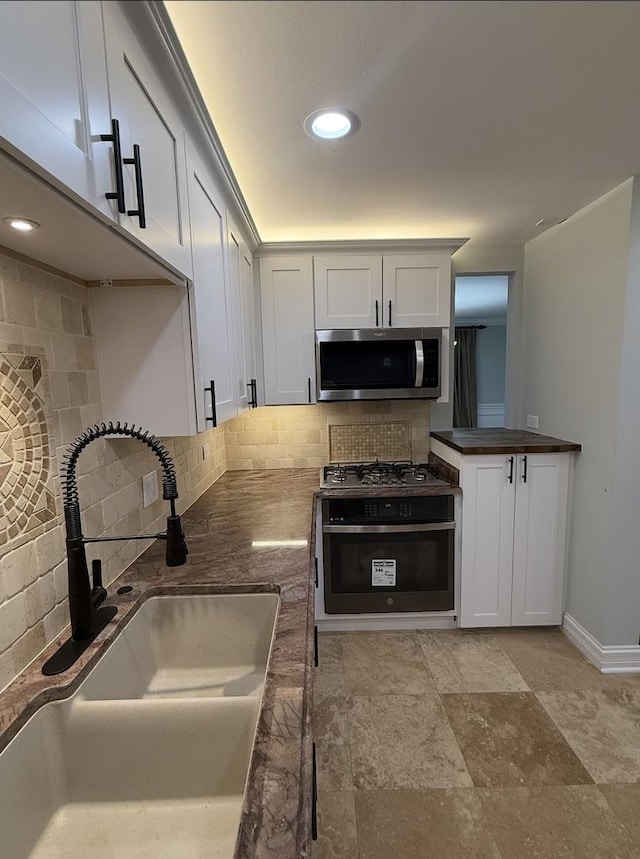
(388, 568)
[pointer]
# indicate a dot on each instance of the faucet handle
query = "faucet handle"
(98, 593)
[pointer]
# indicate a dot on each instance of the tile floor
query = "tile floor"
(500, 744)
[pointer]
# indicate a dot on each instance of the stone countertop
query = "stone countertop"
(498, 440)
(223, 529)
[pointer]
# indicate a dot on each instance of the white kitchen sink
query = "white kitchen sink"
(160, 767)
(189, 646)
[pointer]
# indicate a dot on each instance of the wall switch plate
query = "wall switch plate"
(205, 451)
(532, 421)
(150, 488)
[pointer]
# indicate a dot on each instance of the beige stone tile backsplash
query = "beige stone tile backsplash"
(299, 436)
(49, 393)
(45, 329)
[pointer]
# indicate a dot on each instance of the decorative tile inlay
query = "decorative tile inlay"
(364, 442)
(24, 447)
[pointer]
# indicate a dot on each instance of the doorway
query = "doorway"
(480, 348)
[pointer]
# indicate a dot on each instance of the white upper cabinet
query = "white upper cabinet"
(211, 311)
(348, 291)
(153, 147)
(286, 288)
(417, 290)
(54, 98)
(241, 289)
(376, 291)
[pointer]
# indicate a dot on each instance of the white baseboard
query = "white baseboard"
(609, 659)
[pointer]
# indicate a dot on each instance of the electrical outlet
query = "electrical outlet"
(532, 421)
(205, 451)
(150, 488)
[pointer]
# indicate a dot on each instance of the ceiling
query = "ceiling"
(483, 297)
(477, 118)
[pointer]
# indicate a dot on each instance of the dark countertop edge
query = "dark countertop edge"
(546, 446)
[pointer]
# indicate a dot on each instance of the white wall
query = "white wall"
(573, 323)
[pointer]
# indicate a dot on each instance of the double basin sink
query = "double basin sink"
(150, 756)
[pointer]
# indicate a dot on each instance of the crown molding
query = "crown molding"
(159, 18)
(390, 246)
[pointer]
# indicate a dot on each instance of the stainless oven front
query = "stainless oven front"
(388, 554)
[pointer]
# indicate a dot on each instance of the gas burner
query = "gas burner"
(377, 474)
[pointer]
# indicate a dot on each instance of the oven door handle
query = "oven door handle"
(419, 364)
(388, 529)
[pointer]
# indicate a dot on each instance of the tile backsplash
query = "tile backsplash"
(311, 436)
(49, 394)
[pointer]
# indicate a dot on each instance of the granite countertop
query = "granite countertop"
(498, 440)
(221, 530)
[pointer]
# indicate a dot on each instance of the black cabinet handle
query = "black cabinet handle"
(377, 322)
(316, 655)
(511, 458)
(524, 469)
(389, 313)
(309, 387)
(314, 798)
(214, 417)
(137, 165)
(114, 138)
(316, 563)
(253, 394)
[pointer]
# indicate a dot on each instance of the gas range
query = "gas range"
(354, 475)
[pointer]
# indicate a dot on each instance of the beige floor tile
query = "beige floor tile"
(337, 836)
(328, 677)
(573, 822)
(331, 735)
(549, 662)
(403, 741)
(447, 824)
(469, 662)
(508, 739)
(385, 663)
(624, 799)
(603, 728)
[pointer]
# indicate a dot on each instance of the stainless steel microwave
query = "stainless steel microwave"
(378, 364)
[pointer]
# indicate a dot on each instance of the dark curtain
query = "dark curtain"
(465, 405)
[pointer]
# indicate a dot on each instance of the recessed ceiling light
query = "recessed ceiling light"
(22, 225)
(330, 124)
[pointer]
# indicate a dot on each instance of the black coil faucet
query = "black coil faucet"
(87, 620)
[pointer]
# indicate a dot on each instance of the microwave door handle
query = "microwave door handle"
(419, 364)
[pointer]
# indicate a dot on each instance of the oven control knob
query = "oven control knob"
(389, 600)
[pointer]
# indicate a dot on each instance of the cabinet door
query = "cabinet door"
(348, 291)
(147, 118)
(240, 282)
(488, 500)
(211, 314)
(54, 99)
(417, 290)
(539, 538)
(143, 353)
(286, 289)
(247, 300)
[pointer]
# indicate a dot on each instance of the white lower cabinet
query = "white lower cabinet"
(288, 336)
(514, 522)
